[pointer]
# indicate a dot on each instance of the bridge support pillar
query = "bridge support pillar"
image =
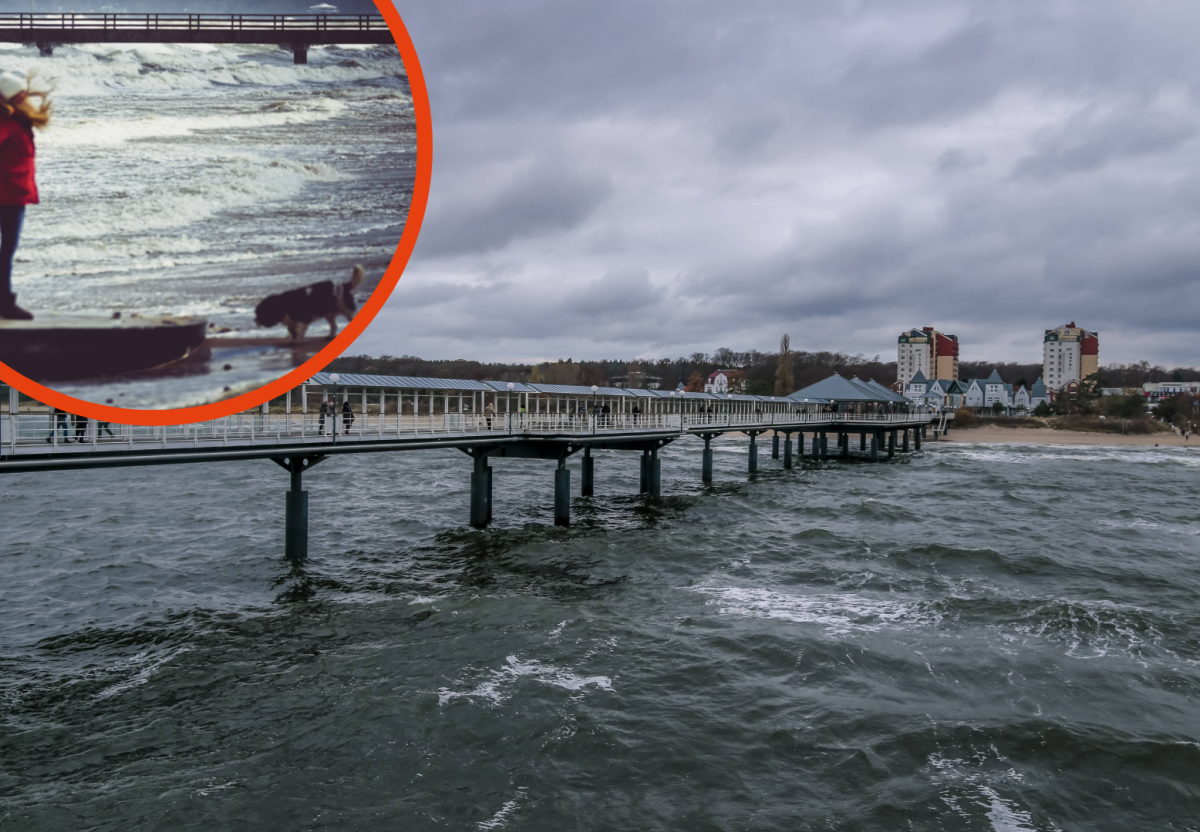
(753, 460)
(655, 474)
(891, 448)
(904, 446)
(295, 519)
(874, 445)
(706, 466)
(844, 443)
(562, 493)
(774, 444)
(481, 492)
(924, 435)
(787, 448)
(824, 445)
(862, 441)
(588, 477)
(644, 482)
(916, 439)
(299, 53)
(46, 50)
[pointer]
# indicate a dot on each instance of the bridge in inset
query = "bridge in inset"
(297, 32)
(487, 420)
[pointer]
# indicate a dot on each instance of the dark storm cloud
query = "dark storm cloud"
(538, 199)
(630, 178)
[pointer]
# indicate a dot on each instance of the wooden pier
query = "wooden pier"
(486, 420)
(296, 32)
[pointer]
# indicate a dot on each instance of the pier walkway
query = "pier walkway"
(566, 421)
(297, 32)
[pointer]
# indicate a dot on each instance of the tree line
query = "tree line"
(763, 373)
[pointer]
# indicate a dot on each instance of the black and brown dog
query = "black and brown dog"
(300, 307)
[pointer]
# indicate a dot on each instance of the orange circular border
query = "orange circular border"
(279, 387)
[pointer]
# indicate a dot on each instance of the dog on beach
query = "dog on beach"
(298, 308)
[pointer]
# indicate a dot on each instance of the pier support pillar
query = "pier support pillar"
(299, 53)
(644, 480)
(588, 477)
(481, 478)
(924, 435)
(295, 522)
(904, 447)
(844, 443)
(891, 448)
(753, 460)
(874, 446)
(706, 466)
(862, 441)
(916, 439)
(655, 474)
(787, 449)
(824, 445)
(46, 50)
(774, 444)
(562, 493)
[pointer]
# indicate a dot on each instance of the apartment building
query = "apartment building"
(1069, 353)
(932, 353)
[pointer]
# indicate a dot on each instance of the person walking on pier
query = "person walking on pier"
(18, 118)
(326, 407)
(347, 416)
(488, 413)
(58, 421)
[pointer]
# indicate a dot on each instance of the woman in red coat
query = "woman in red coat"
(18, 116)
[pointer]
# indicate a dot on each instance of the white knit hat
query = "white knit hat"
(11, 84)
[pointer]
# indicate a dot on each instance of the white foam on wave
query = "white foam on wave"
(106, 69)
(500, 819)
(146, 666)
(1015, 453)
(229, 182)
(837, 613)
(99, 132)
(496, 688)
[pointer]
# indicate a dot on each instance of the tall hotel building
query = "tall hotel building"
(928, 351)
(1069, 353)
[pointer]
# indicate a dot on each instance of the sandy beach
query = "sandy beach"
(1049, 436)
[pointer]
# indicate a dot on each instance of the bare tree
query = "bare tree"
(784, 381)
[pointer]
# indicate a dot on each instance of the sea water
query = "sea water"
(1001, 638)
(196, 180)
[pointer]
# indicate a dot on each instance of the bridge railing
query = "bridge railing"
(108, 22)
(54, 432)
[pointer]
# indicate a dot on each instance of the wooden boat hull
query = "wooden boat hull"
(66, 348)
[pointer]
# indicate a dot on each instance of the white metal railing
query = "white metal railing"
(62, 432)
(107, 22)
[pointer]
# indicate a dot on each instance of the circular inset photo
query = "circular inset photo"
(199, 211)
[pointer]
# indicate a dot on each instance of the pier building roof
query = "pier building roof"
(836, 388)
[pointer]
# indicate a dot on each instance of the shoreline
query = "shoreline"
(1050, 436)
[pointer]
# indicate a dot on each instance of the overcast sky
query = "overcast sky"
(638, 179)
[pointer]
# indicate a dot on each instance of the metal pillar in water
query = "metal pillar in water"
(787, 448)
(824, 445)
(904, 446)
(775, 444)
(844, 443)
(862, 441)
(753, 461)
(706, 467)
(299, 53)
(923, 433)
(644, 483)
(916, 439)
(655, 474)
(295, 522)
(562, 493)
(295, 536)
(480, 479)
(891, 448)
(587, 478)
(874, 445)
